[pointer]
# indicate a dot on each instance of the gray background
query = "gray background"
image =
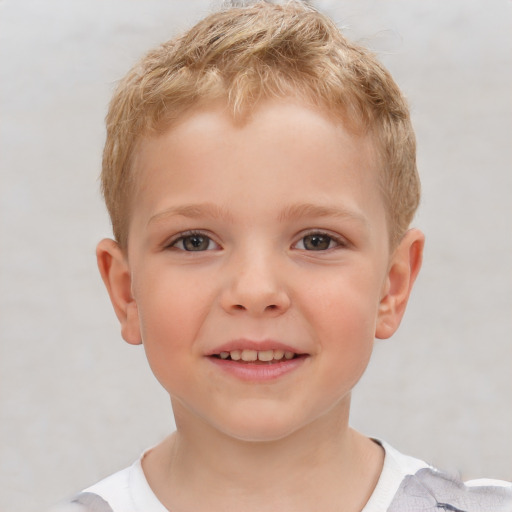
(77, 403)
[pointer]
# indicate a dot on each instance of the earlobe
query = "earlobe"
(404, 268)
(115, 272)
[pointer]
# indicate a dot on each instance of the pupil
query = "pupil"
(316, 242)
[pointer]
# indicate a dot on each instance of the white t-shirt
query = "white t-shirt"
(406, 484)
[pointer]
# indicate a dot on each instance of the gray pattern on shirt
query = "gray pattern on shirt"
(92, 502)
(430, 490)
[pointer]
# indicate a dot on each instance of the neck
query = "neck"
(324, 466)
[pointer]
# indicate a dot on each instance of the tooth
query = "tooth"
(288, 355)
(278, 354)
(224, 355)
(249, 355)
(235, 355)
(266, 355)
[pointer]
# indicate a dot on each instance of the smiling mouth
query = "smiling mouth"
(258, 356)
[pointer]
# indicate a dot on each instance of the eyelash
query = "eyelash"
(340, 242)
(181, 237)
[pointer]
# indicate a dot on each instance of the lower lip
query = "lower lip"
(258, 372)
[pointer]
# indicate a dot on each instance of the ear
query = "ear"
(115, 272)
(404, 267)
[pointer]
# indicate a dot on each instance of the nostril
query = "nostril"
(271, 307)
(239, 306)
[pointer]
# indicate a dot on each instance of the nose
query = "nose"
(255, 286)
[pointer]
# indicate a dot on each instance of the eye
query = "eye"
(317, 242)
(194, 242)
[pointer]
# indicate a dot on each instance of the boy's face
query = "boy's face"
(267, 236)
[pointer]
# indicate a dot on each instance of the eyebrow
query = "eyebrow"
(297, 211)
(193, 211)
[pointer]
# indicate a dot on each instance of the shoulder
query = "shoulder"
(430, 488)
(124, 491)
(418, 486)
(109, 495)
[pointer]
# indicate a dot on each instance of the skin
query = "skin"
(255, 192)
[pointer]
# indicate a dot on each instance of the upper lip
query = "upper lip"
(247, 344)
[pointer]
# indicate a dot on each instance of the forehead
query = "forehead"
(213, 128)
(282, 152)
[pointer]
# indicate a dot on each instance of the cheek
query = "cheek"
(170, 314)
(342, 315)
(342, 303)
(169, 303)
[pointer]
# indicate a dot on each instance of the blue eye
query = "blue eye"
(194, 242)
(317, 242)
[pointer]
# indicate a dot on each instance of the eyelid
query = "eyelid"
(340, 240)
(170, 243)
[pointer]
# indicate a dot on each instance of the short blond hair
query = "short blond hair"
(243, 55)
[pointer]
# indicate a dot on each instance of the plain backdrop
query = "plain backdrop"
(76, 403)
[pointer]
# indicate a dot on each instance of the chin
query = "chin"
(260, 428)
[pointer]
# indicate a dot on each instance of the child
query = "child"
(260, 175)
